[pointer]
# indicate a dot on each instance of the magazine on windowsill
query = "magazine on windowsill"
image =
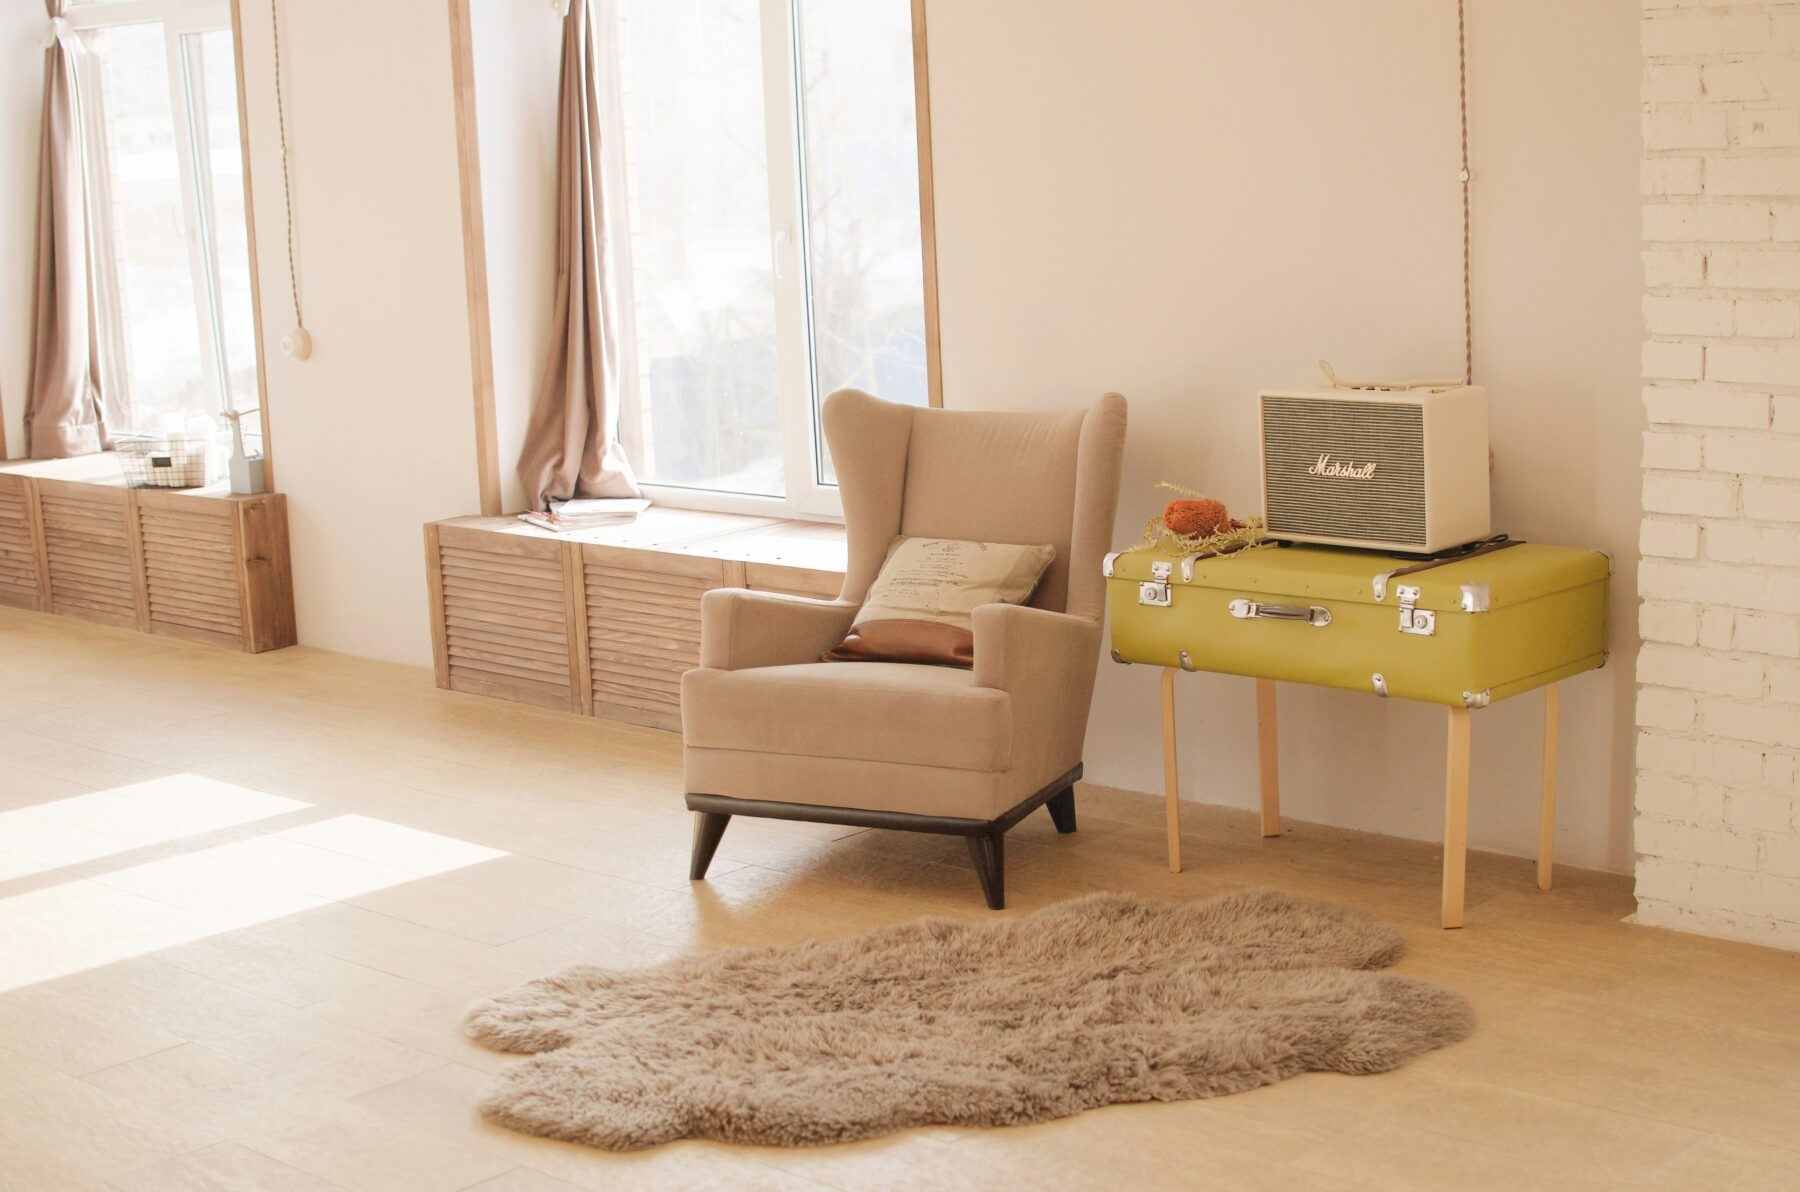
(586, 513)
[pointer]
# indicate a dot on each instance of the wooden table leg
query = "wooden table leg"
(1456, 817)
(1547, 811)
(1171, 780)
(1268, 757)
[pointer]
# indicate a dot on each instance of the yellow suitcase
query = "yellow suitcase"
(1462, 632)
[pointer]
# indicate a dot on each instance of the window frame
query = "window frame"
(805, 497)
(182, 22)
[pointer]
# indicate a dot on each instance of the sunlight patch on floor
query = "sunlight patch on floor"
(51, 929)
(90, 827)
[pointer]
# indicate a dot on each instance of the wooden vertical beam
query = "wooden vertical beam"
(1547, 807)
(1456, 817)
(266, 573)
(475, 280)
(1268, 756)
(34, 512)
(1171, 776)
(140, 571)
(934, 366)
(434, 582)
(581, 666)
(240, 560)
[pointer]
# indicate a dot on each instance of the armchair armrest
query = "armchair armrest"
(1045, 662)
(740, 629)
(1018, 649)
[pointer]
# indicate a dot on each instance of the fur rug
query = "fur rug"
(1101, 999)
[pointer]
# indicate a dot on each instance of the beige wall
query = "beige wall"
(1187, 202)
(22, 29)
(374, 435)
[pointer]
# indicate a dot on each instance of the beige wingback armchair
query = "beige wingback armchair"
(769, 730)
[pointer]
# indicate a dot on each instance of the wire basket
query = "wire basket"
(163, 461)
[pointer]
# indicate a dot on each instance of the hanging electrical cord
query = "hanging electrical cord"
(1462, 91)
(1468, 377)
(298, 342)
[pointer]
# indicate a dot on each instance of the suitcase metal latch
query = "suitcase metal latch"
(1156, 591)
(1413, 619)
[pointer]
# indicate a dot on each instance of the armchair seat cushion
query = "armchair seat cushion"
(861, 711)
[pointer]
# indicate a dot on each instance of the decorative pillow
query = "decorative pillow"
(921, 607)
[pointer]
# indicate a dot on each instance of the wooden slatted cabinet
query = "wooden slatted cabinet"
(198, 564)
(505, 618)
(88, 552)
(604, 622)
(643, 628)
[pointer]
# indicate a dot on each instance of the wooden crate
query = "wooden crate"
(197, 564)
(603, 623)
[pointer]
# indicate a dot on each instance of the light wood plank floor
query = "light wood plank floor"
(243, 901)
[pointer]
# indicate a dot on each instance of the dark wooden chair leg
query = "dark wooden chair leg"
(1062, 810)
(989, 852)
(709, 827)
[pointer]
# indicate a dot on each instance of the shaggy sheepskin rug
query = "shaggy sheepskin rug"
(1101, 999)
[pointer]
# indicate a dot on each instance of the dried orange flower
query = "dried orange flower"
(1197, 518)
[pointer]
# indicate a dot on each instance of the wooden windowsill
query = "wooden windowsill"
(735, 537)
(103, 470)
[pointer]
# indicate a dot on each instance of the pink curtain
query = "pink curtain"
(571, 447)
(63, 408)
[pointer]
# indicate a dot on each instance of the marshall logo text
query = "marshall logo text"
(1347, 471)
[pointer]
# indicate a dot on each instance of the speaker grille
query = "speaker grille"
(1386, 506)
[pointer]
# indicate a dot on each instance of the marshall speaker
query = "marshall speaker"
(1385, 469)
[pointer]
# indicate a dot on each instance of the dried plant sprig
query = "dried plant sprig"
(1236, 537)
(1222, 542)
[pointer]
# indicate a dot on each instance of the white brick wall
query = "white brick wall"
(1717, 830)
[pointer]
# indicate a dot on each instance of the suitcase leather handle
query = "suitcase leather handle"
(1315, 615)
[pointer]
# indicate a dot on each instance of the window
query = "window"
(164, 169)
(766, 186)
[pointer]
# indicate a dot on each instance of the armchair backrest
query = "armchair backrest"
(980, 476)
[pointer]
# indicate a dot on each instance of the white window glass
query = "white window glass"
(165, 177)
(156, 368)
(771, 246)
(860, 161)
(213, 88)
(701, 361)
